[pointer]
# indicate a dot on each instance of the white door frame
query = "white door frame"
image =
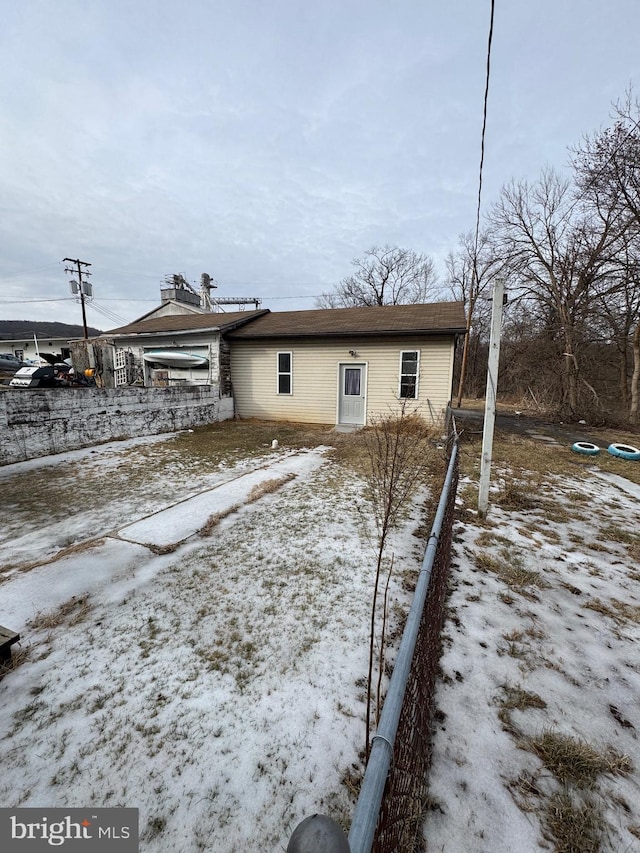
(364, 374)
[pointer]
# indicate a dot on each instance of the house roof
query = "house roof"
(186, 323)
(427, 319)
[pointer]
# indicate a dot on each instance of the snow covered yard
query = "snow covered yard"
(215, 682)
(537, 729)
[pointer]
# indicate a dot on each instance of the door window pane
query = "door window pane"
(352, 381)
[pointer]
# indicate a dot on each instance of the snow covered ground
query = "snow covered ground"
(539, 701)
(210, 675)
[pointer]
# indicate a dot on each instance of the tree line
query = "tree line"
(568, 250)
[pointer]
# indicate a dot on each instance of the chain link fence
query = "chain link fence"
(389, 814)
(399, 827)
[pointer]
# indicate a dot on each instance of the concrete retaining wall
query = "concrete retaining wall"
(41, 421)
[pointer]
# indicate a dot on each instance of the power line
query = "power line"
(474, 273)
(484, 130)
(108, 313)
(7, 300)
(32, 270)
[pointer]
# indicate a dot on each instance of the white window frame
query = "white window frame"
(401, 374)
(288, 373)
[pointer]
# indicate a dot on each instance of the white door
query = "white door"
(351, 400)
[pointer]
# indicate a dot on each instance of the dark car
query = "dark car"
(9, 363)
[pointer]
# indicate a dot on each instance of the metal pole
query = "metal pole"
(490, 397)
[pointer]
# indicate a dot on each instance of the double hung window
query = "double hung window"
(409, 368)
(285, 373)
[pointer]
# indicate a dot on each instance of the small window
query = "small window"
(409, 363)
(284, 373)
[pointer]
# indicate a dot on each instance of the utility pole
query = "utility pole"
(83, 288)
(490, 397)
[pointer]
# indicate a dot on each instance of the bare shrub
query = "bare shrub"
(398, 458)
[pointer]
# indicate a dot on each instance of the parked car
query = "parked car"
(9, 363)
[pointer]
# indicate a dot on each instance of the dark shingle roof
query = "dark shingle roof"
(433, 318)
(186, 323)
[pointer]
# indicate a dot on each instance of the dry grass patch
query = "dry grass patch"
(516, 698)
(537, 529)
(268, 487)
(634, 552)
(616, 533)
(487, 538)
(214, 520)
(573, 760)
(71, 550)
(19, 654)
(617, 610)
(574, 824)
(72, 612)
(520, 453)
(511, 572)
(241, 438)
(573, 496)
(159, 550)
(516, 495)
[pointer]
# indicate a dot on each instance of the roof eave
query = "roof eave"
(222, 327)
(255, 336)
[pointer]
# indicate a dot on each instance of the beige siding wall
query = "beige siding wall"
(315, 377)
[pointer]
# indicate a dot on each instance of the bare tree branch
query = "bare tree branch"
(385, 275)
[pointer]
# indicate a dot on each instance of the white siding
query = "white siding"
(315, 377)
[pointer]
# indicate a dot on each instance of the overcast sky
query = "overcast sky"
(269, 142)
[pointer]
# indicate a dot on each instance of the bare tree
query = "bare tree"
(471, 272)
(398, 452)
(384, 276)
(559, 254)
(607, 166)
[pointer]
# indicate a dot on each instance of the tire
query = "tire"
(586, 448)
(624, 451)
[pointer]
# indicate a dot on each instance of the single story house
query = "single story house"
(345, 365)
(332, 366)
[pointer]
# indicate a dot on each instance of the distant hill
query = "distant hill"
(17, 329)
